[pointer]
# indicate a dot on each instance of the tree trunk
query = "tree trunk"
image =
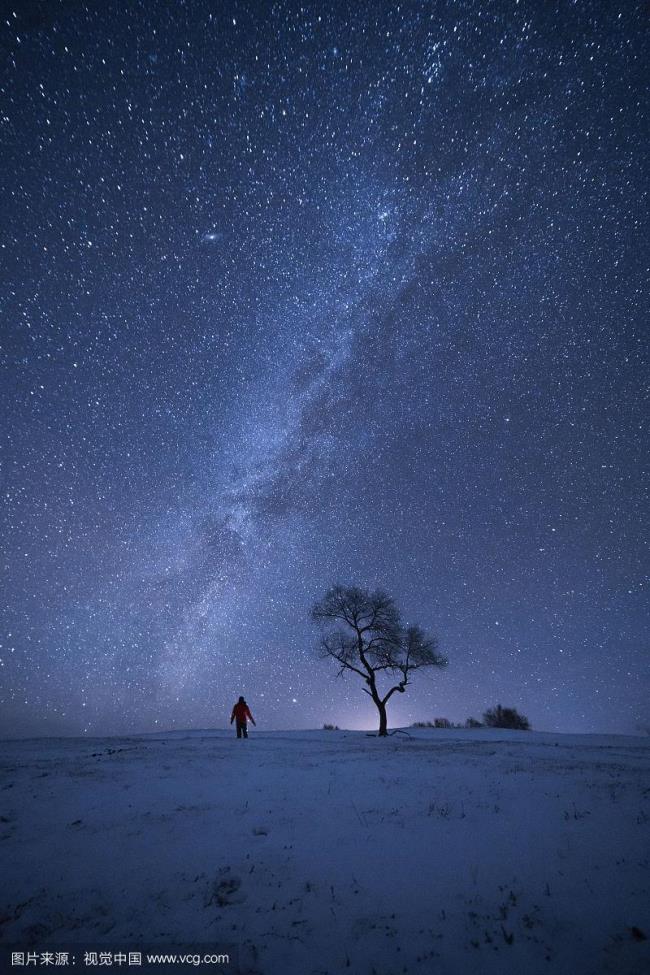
(383, 719)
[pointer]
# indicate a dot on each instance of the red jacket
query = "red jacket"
(241, 713)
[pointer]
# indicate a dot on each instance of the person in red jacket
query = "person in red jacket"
(241, 714)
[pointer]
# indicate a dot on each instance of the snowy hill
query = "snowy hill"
(447, 852)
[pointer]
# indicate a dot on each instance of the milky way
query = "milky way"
(297, 294)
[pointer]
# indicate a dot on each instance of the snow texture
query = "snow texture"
(321, 853)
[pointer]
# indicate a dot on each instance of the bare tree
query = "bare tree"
(365, 636)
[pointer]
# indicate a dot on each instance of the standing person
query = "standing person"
(241, 714)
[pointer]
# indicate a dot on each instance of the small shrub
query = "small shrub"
(437, 723)
(473, 723)
(499, 717)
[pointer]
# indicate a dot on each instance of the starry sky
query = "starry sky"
(299, 293)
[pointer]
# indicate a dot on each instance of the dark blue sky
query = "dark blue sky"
(298, 293)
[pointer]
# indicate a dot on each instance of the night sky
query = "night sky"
(296, 294)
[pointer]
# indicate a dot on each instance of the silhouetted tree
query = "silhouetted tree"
(499, 717)
(365, 636)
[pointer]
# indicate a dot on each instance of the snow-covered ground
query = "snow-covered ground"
(447, 852)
